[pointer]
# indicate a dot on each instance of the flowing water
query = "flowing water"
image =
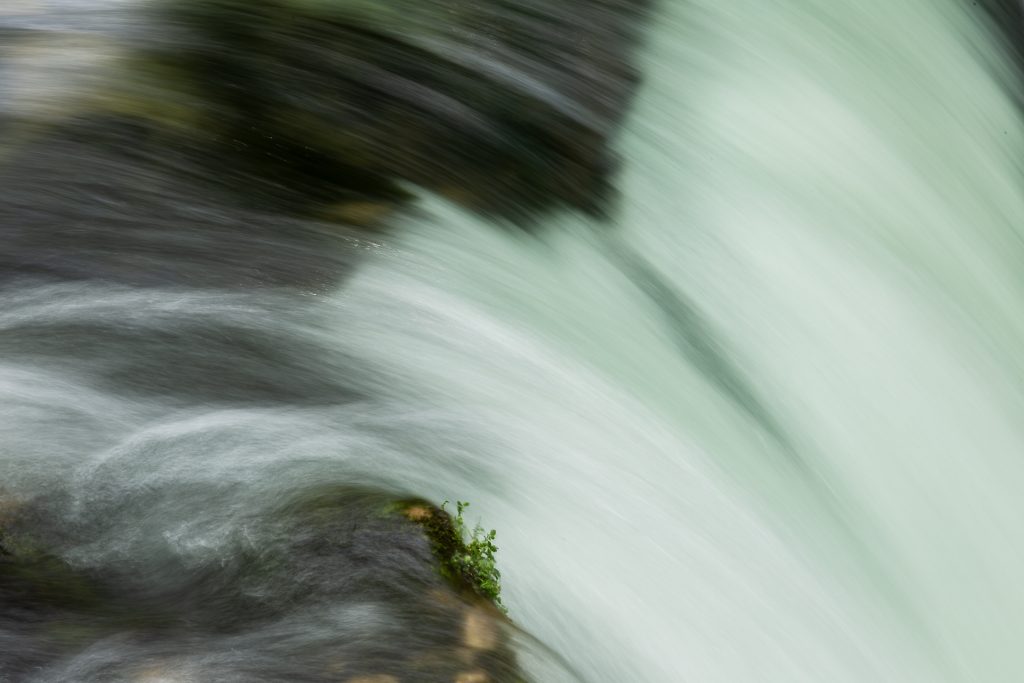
(765, 427)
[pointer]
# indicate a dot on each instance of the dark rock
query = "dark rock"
(344, 547)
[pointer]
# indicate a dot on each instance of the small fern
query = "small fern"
(475, 560)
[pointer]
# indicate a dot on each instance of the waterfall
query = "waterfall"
(835, 188)
(762, 424)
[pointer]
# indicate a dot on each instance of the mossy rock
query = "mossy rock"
(335, 548)
(468, 565)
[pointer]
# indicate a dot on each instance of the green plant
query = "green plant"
(475, 558)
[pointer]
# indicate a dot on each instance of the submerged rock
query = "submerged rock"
(507, 107)
(233, 143)
(348, 561)
(191, 173)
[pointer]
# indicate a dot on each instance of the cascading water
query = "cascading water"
(836, 189)
(764, 427)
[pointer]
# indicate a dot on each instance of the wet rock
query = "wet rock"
(339, 582)
(509, 108)
(479, 630)
(472, 677)
(140, 205)
(232, 143)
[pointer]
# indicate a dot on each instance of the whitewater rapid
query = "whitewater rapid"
(762, 426)
(836, 189)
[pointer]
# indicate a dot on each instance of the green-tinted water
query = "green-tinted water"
(835, 188)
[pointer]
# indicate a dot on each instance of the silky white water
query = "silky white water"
(764, 427)
(836, 189)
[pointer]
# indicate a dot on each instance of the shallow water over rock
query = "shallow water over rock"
(759, 422)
